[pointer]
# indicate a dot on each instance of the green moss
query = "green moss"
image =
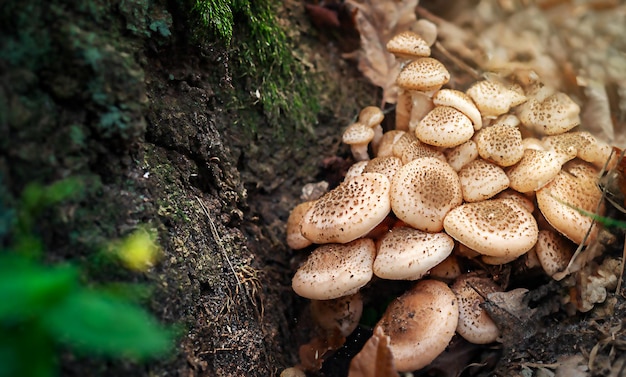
(265, 66)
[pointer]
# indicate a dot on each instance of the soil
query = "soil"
(187, 163)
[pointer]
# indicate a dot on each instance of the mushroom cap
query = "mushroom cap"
(444, 126)
(461, 155)
(388, 166)
(420, 324)
(493, 98)
(357, 133)
(417, 149)
(423, 191)
(475, 325)
(481, 180)
(408, 45)
(426, 29)
(579, 144)
(575, 186)
(423, 74)
(461, 102)
(535, 170)
(349, 211)
(500, 144)
(448, 270)
(495, 227)
(356, 169)
(371, 116)
(295, 239)
(522, 199)
(341, 314)
(335, 270)
(407, 254)
(385, 147)
(553, 251)
(555, 115)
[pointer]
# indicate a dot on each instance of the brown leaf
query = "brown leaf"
(375, 359)
(313, 353)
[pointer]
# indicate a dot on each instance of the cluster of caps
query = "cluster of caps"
(495, 172)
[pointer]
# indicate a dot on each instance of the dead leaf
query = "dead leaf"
(375, 359)
(377, 22)
(312, 354)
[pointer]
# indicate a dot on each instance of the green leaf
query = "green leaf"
(26, 350)
(90, 321)
(28, 290)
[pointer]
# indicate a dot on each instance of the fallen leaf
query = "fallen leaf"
(375, 359)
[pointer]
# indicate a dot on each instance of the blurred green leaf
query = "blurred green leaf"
(92, 322)
(26, 350)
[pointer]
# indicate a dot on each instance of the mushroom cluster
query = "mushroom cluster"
(496, 172)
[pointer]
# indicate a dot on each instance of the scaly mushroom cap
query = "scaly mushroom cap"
(423, 191)
(462, 155)
(475, 325)
(385, 148)
(500, 144)
(576, 186)
(493, 98)
(448, 270)
(495, 227)
(371, 116)
(420, 324)
(408, 45)
(349, 211)
(423, 74)
(461, 102)
(581, 144)
(535, 170)
(358, 136)
(335, 270)
(407, 254)
(340, 314)
(417, 150)
(387, 166)
(481, 180)
(295, 239)
(555, 115)
(444, 126)
(553, 251)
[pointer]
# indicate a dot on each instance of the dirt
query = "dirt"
(187, 163)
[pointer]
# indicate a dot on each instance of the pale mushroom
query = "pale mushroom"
(535, 170)
(555, 115)
(461, 155)
(423, 74)
(404, 103)
(553, 252)
(448, 270)
(475, 325)
(481, 180)
(444, 126)
(426, 30)
(372, 117)
(461, 102)
(335, 270)
(356, 169)
(349, 211)
(358, 136)
(295, 239)
(579, 144)
(423, 191)
(408, 45)
(493, 98)
(500, 144)
(421, 104)
(385, 148)
(417, 150)
(388, 166)
(522, 199)
(495, 227)
(420, 324)
(340, 315)
(407, 254)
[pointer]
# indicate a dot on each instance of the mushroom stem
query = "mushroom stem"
(359, 152)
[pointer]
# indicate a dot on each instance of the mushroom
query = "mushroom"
(417, 149)
(295, 239)
(535, 170)
(500, 144)
(494, 227)
(408, 45)
(358, 136)
(423, 191)
(493, 98)
(356, 169)
(572, 190)
(461, 155)
(423, 74)
(340, 315)
(554, 115)
(553, 252)
(388, 166)
(475, 325)
(420, 324)
(407, 254)
(448, 270)
(404, 103)
(372, 117)
(335, 270)
(461, 102)
(444, 126)
(349, 211)
(426, 30)
(385, 148)
(481, 180)
(579, 144)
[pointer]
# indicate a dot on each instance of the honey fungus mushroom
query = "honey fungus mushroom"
(474, 324)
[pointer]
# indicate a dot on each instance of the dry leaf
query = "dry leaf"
(312, 354)
(378, 22)
(375, 359)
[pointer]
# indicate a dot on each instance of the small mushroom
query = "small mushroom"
(481, 180)
(553, 252)
(444, 126)
(475, 325)
(388, 166)
(579, 144)
(461, 102)
(557, 114)
(372, 117)
(423, 191)
(341, 314)
(407, 254)
(349, 211)
(358, 136)
(385, 148)
(448, 270)
(423, 74)
(500, 144)
(335, 270)
(420, 324)
(535, 170)
(295, 239)
(417, 150)
(493, 98)
(408, 45)
(461, 155)
(495, 227)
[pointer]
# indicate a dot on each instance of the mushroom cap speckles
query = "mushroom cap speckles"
(461, 155)
(579, 144)
(407, 254)
(493, 98)
(423, 191)
(575, 186)
(335, 270)
(371, 116)
(475, 325)
(495, 227)
(408, 45)
(553, 251)
(423, 74)
(481, 180)
(349, 211)
(417, 149)
(295, 239)
(388, 166)
(357, 133)
(500, 144)
(340, 314)
(535, 170)
(555, 115)
(420, 324)
(461, 102)
(444, 126)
